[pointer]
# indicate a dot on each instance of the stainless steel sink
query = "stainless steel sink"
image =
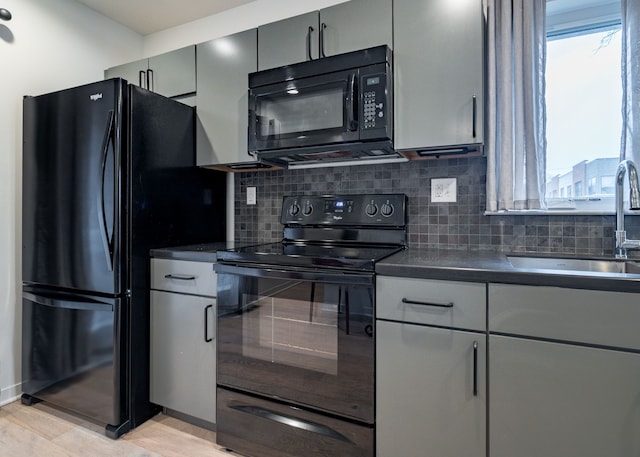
(581, 265)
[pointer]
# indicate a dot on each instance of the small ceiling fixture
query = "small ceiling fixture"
(5, 14)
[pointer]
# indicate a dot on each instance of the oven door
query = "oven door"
(304, 112)
(304, 337)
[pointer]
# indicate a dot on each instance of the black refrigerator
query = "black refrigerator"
(108, 174)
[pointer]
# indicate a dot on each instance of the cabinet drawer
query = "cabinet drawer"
(183, 276)
(424, 301)
(575, 315)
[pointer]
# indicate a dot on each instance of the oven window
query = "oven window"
(293, 326)
(298, 111)
(306, 341)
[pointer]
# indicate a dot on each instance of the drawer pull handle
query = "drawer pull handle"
(291, 421)
(424, 303)
(180, 277)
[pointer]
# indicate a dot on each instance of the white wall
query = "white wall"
(235, 20)
(48, 45)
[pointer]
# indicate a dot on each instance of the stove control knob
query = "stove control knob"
(371, 209)
(294, 209)
(387, 209)
(308, 209)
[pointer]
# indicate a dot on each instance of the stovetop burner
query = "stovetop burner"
(342, 232)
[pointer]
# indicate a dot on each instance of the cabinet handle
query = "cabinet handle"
(475, 116)
(322, 27)
(206, 324)
(150, 80)
(142, 79)
(424, 303)
(180, 277)
(309, 32)
(475, 368)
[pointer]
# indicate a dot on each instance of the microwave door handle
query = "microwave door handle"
(352, 124)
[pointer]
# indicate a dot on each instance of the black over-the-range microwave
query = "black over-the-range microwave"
(332, 110)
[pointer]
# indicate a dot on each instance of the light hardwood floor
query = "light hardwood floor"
(27, 431)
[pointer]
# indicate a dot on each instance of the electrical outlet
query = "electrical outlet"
(251, 196)
(443, 190)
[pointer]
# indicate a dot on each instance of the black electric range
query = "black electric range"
(296, 329)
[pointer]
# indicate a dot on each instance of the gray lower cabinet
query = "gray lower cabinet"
(222, 100)
(556, 400)
(345, 27)
(183, 338)
(564, 372)
(171, 74)
(430, 377)
(439, 73)
(425, 391)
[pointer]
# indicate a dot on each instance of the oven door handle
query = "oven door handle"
(269, 271)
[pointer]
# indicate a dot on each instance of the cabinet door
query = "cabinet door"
(438, 62)
(552, 399)
(425, 391)
(173, 73)
(183, 354)
(288, 41)
(222, 100)
(356, 24)
(133, 72)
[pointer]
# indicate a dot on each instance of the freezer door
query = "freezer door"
(72, 187)
(74, 353)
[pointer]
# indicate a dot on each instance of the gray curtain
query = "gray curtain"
(516, 137)
(630, 142)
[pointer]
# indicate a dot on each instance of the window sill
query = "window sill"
(554, 212)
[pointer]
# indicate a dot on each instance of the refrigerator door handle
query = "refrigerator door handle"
(107, 243)
(67, 302)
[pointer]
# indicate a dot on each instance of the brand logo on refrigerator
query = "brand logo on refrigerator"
(95, 97)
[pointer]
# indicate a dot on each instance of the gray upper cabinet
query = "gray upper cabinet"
(133, 72)
(288, 41)
(222, 98)
(356, 24)
(349, 26)
(439, 73)
(170, 74)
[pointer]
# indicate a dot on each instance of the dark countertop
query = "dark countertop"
(205, 252)
(453, 265)
(488, 266)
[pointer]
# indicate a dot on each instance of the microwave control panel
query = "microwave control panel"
(374, 101)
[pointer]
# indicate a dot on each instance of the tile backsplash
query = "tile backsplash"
(459, 225)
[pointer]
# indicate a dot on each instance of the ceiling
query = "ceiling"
(149, 16)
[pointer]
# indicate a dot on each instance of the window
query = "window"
(607, 185)
(583, 102)
(578, 188)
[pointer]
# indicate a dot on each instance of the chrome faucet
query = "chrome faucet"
(622, 243)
